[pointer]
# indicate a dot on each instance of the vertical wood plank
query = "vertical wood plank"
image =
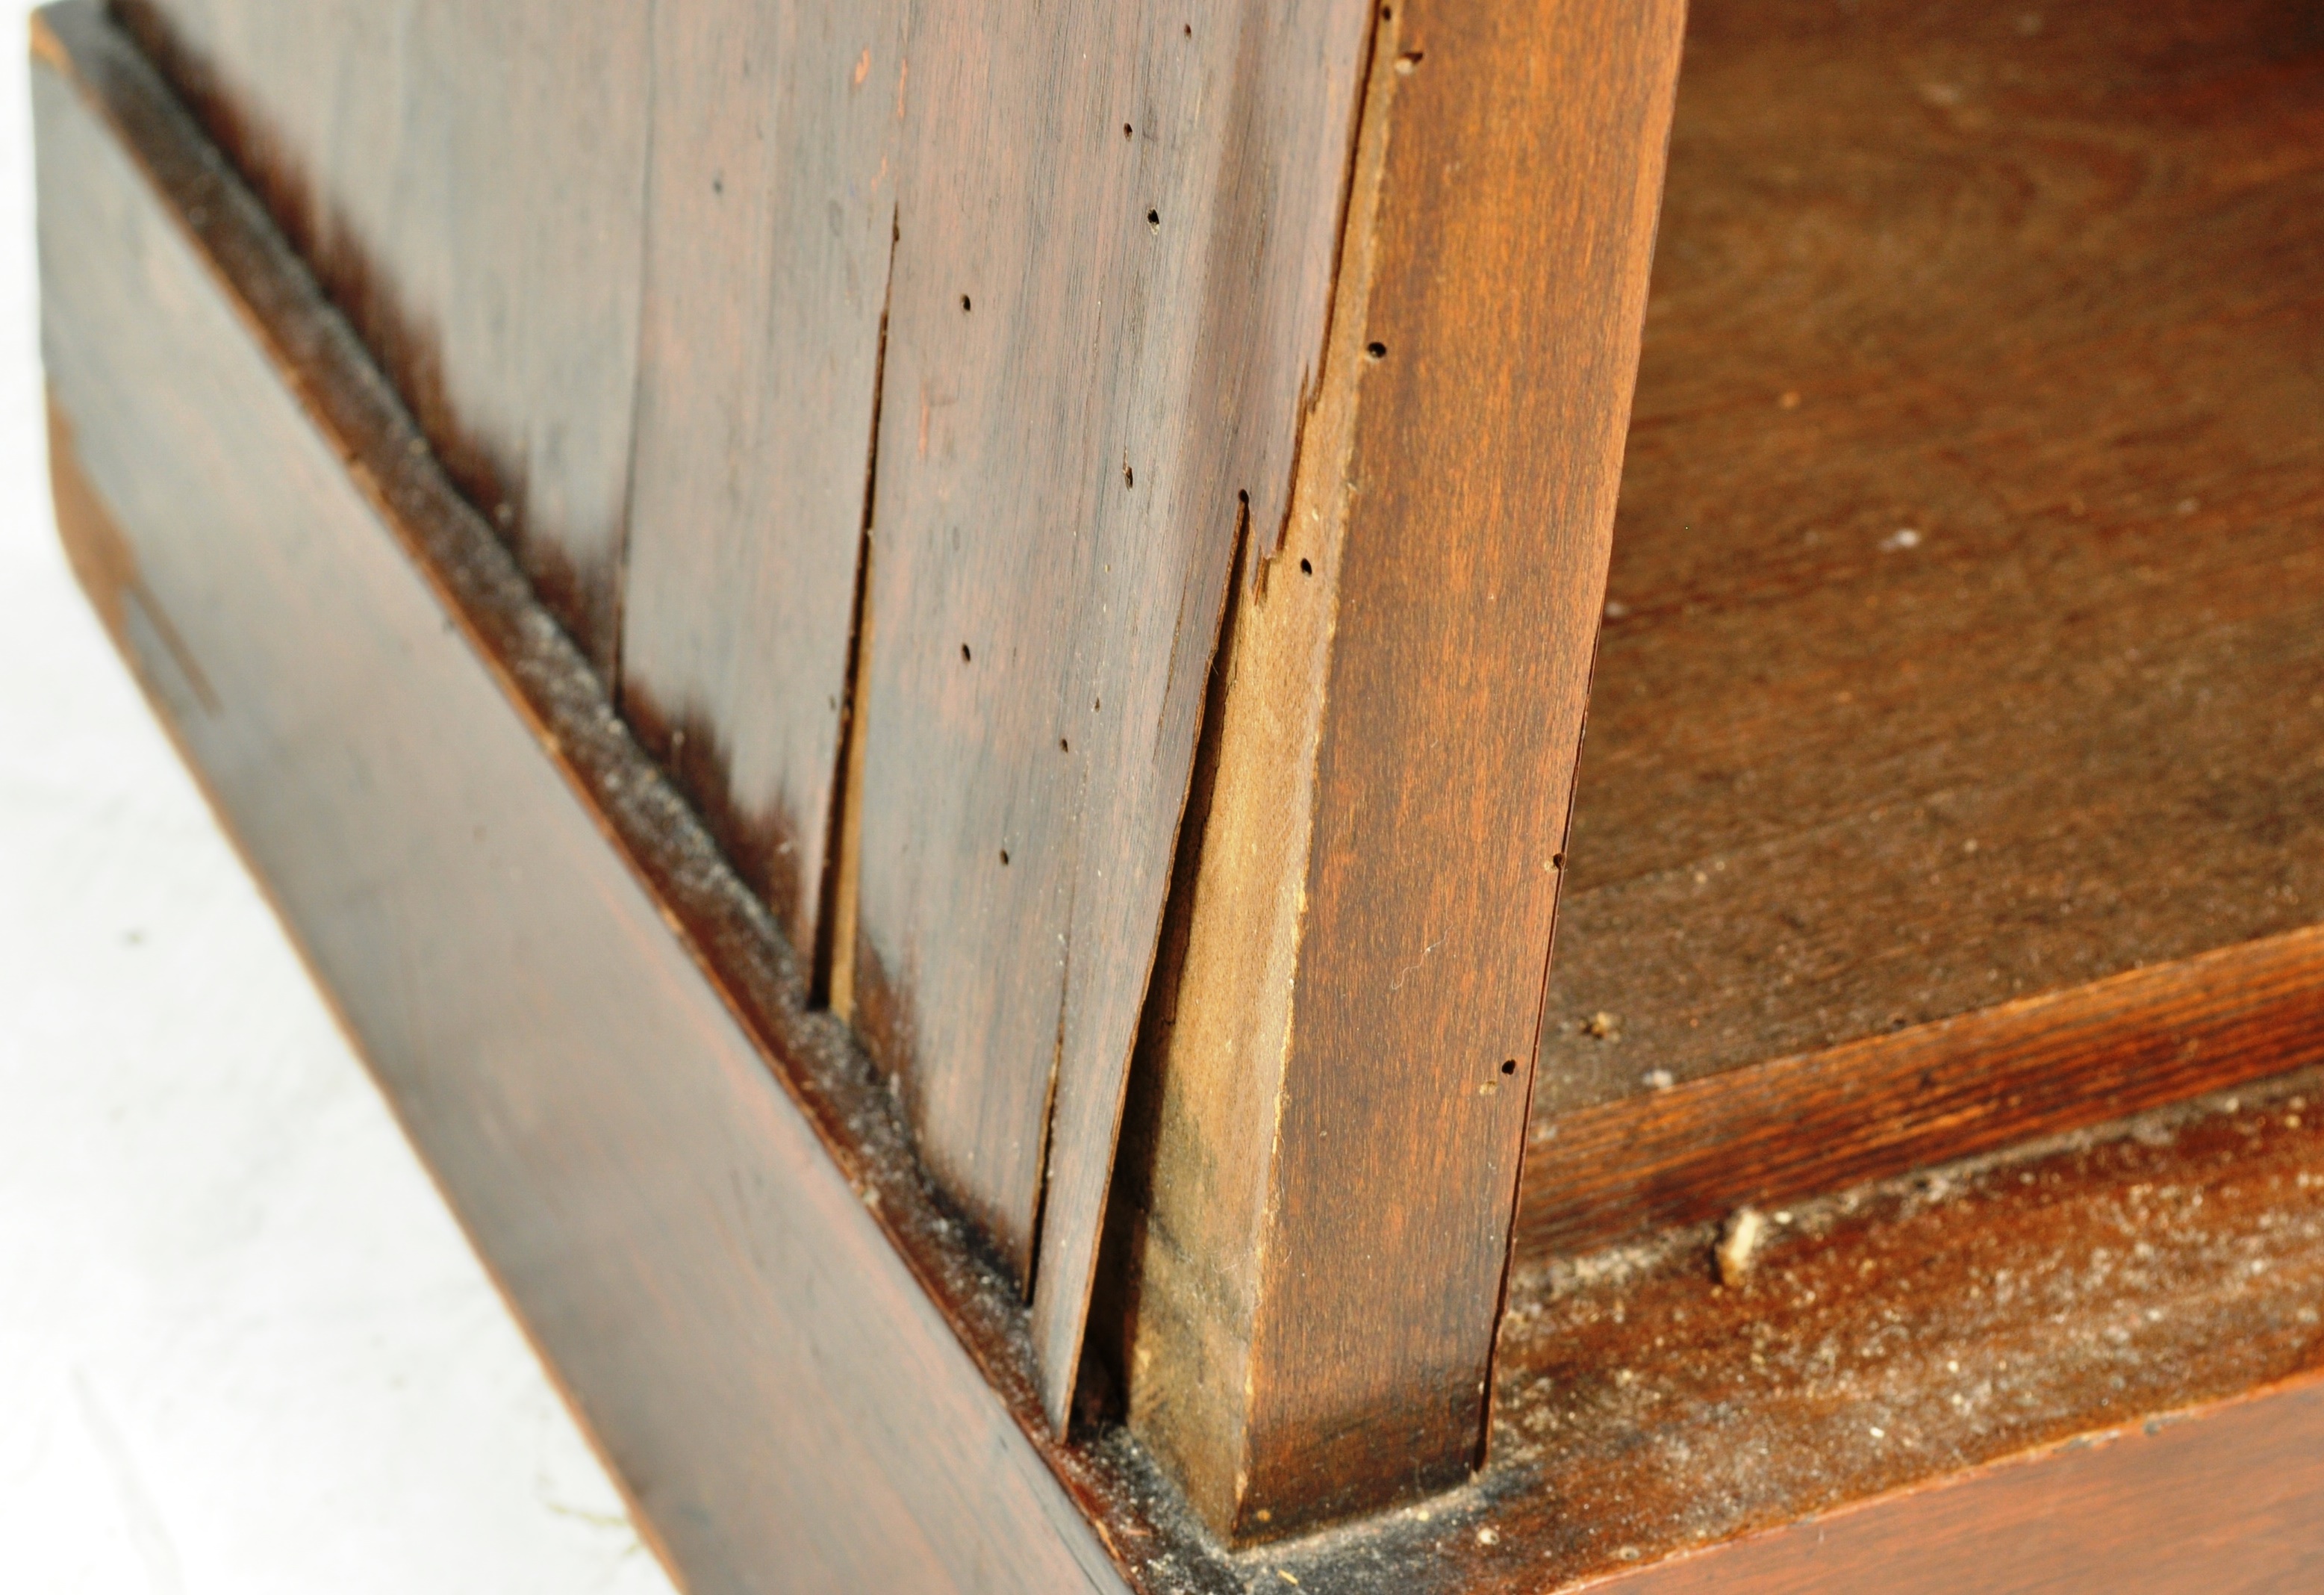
(1317, 1230)
(771, 225)
(1117, 233)
(468, 181)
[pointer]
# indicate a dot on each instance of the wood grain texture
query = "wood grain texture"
(1824, 1120)
(1104, 239)
(468, 181)
(770, 227)
(1117, 227)
(2109, 1514)
(1315, 1225)
(692, 1190)
(2046, 295)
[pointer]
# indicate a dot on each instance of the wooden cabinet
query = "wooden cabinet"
(916, 673)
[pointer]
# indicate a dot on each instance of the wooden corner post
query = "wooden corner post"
(1311, 1228)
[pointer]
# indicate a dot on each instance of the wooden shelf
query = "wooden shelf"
(1965, 631)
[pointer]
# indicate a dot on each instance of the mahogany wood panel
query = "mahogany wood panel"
(690, 1189)
(1116, 224)
(1967, 610)
(467, 180)
(1824, 1120)
(769, 226)
(1313, 1223)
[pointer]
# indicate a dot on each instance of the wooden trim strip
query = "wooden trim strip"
(1321, 1159)
(1824, 1120)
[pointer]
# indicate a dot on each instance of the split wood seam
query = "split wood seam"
(1320, 1161)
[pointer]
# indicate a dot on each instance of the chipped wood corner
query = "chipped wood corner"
(1208, 1078)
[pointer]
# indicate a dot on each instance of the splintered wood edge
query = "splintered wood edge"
(1201, 1242)
(1823, 1121)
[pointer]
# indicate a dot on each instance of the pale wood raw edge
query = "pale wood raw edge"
(1078, 1161)
(850, 851)
(699, 1044)
(1198, 1249)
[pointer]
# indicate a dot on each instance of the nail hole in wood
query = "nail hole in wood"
(1005, 858)
(963, 304)
(1376, 351)
(1405, 63)
(1125, 130)
(1154, 220)
(1065, 746)
(963, 653)
(1508, 1065)
(1305, 569)
(1129, 476)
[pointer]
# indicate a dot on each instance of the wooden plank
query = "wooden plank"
(1116, 226)
(1315, 1225)
(468, 182)
(770, 230)
(2046, 301)
(1824, 1120)
(690, 1188)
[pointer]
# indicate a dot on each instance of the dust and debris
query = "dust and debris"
(1736, 1244)
(1602, 1026)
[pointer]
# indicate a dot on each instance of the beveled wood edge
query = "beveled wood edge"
(2205, 1500)
(1824, 1120)
(724, 933)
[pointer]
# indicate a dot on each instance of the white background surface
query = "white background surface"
(243, 1346)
